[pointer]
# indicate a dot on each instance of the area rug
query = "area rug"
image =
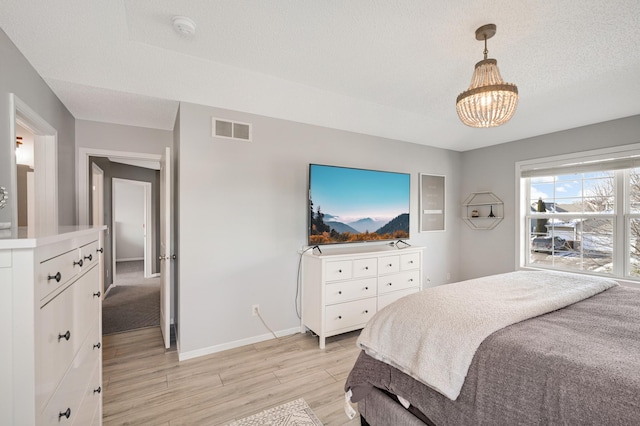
(294, 413)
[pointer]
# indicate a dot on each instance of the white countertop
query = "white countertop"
(13, 239)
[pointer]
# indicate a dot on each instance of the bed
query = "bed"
(552, 361)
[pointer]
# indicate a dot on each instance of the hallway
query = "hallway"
(133, 303)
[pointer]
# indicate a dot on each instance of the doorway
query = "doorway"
(39, 190)
(25, 199)
(130, 211)
(166, 229)
(133, 233)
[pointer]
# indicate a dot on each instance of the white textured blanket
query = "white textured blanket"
(432, 335)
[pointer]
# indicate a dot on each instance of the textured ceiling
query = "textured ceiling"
(390, 68)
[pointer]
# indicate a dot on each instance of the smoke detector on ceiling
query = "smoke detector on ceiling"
(184, 26)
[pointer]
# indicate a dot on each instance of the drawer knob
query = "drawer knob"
(98, 389)
(65, 336)
(339, 316)
(389, 284)
(366, 312)
(339, 271)
(410, 280)
(340, 292)
(66, 414)
(79, 263)
(366, 288)
(56, 277)
(100, 250)
(97, 345)
(390, 265)
(90, 257)
(98, 294)
(411, 261)
(366, 268)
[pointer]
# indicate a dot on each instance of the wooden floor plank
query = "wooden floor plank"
(146, 385)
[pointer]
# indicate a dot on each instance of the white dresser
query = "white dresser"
(50, 311)
(342, 288)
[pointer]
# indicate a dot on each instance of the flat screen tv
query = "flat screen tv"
(348, 205)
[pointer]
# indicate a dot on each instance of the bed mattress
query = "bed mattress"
(576, 365)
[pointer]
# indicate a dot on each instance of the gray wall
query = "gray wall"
(493, 169)
(19, 77)
(124, 171)
(119, 137)
(243, 217)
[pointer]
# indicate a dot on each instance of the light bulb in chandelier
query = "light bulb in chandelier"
(489, 101)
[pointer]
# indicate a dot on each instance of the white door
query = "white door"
(166, 256)
(97, 200)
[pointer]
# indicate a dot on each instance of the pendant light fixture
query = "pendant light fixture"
(489, 101)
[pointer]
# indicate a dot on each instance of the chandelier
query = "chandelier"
(489, 101)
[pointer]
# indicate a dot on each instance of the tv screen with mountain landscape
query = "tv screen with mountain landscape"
(348, 205)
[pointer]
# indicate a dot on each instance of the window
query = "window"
(582, 213)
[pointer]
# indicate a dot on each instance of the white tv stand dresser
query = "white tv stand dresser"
(342, 288)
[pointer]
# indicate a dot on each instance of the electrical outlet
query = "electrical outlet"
(255, 309)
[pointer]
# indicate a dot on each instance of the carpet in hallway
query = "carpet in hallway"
(129, 307)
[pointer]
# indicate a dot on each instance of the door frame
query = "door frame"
(82, 200)
(82, 161)
(45, 153)
(148, 209)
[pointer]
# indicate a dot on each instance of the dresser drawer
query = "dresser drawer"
(56, 272)
(398, 281)
(363, 268)
(70, 314)
(410, 261)
(338, 270)
(92, 395)
(89, 255)
(389, 264)
(389, 298)
(70, 393)
(349, 314)
(54, 351)
(87, 300)
(350, 290)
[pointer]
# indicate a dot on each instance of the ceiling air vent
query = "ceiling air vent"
(231, 129)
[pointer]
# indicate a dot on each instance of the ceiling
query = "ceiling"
(389, 68)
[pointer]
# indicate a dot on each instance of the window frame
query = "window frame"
(621, 218)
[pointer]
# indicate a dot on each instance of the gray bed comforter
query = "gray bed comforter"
(579, 365)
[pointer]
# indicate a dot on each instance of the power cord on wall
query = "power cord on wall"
(298, 308)
(257, 311)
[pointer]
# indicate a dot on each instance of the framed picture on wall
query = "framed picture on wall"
(431, 203)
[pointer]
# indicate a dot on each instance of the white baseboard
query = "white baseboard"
(109, 289)
(182, 356)
(129, 259)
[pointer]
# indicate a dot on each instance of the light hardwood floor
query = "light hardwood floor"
(146, 385)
